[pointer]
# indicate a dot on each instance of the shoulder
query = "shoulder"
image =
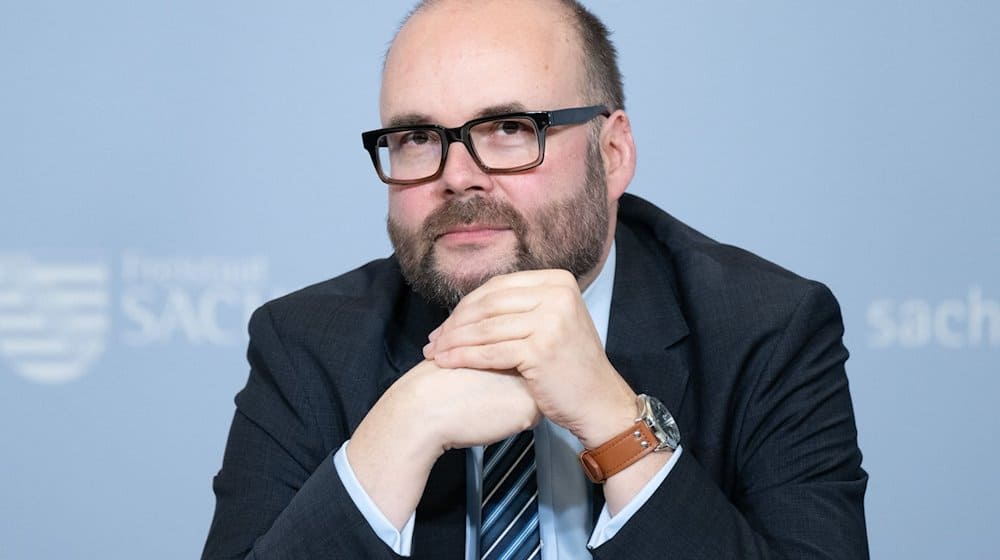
(365, 296)
(721, 286)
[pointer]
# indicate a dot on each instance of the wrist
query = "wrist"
(618, 416)
(653, 430)
(392, 433)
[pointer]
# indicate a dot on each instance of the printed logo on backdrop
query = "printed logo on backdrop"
(200, 301)
(970, 321)
(54, 315)
(58, 315)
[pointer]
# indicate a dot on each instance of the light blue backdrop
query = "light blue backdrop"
(165, 167)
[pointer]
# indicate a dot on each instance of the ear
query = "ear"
(618, 153)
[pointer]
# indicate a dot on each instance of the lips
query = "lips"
(470, 228)
(472, 232)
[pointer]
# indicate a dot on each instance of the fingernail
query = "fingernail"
(434, 333)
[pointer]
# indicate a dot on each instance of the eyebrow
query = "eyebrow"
(414, 119)
(513, 107)
(408, 119)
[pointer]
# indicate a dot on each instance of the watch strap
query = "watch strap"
(615, 455)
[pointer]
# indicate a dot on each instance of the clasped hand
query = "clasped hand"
(535, 324)
(520, 346)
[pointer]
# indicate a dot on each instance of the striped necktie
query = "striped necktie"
(509, 515)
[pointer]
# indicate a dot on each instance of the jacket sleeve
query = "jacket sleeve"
(278, 494)
(799, 488)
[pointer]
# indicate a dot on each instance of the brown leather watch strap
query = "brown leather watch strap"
(621, 451)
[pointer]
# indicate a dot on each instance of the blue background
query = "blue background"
(854, 142)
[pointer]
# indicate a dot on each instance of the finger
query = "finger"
(558, 299)
(522, 279)
(498, 356)
(495, 304)
(486, 331)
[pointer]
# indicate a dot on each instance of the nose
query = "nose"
(461, 175)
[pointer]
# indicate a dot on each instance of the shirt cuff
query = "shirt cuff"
(608, 526)
(399, 541)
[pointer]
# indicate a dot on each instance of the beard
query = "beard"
(567, 234)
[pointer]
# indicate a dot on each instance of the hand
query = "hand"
(459, 408)
(535, 322)
(423, 414)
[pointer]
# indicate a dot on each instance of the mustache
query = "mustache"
(475, 210)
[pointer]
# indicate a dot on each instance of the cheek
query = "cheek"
(557, 179)
(409, 206)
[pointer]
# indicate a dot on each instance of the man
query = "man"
(507, 152)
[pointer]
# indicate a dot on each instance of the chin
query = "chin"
(479, 264)
(468, 280)
(447, 281)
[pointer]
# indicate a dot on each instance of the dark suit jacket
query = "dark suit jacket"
(746, 355)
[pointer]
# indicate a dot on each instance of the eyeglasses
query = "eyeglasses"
(507, 143)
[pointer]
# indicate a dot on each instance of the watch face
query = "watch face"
(664, 425)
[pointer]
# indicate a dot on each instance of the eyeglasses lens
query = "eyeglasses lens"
(500, 144)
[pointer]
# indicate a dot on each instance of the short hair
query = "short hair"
(600, 58)
(603, 78)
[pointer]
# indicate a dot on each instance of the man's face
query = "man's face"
(458, 61)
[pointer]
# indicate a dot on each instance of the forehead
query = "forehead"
(457, 58)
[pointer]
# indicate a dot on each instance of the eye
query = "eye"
(511, 128)
(416, 137)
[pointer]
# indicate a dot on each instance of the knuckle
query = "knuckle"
(493, 282)
(565, 295)
(566, 277)
(478, 331)
(490, 306)
(488, 354)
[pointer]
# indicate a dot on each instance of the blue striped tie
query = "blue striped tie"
(509, 515)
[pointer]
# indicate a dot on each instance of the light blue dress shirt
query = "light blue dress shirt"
(564, 500)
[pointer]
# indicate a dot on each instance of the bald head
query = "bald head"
(600, 79)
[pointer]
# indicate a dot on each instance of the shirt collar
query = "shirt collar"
(597, 296)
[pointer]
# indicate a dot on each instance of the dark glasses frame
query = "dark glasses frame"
(542, 119)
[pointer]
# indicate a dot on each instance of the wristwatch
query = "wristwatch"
(654, 430)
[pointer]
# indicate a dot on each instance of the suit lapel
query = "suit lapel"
(440, 527)
(647, 329)
(406, 332)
